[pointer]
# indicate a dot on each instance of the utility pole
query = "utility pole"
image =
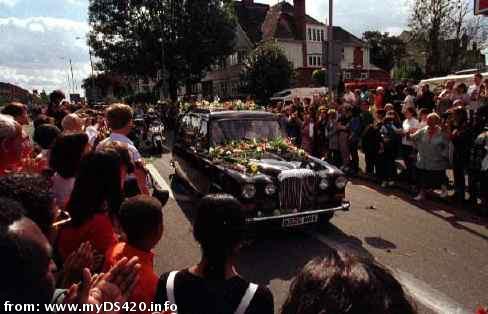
(92, 73)
(330, 45)
(72, 76)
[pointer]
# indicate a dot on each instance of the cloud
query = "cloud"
(8, 3)
(35, 52)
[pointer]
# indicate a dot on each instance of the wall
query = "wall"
(293, 51)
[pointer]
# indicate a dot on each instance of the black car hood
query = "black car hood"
(271, 167)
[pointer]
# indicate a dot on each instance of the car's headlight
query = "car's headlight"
(341, 182)
(248, 191)
(270, 189)
(324, 184)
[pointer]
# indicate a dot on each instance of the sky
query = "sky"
(38, 38)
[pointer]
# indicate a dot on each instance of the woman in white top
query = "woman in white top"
(410, 126)
(65, 159)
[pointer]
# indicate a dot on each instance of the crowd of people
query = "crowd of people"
(408, 135)
(78, 227)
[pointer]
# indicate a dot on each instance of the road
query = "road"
(440, 255)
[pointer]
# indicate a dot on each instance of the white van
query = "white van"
(302, 92)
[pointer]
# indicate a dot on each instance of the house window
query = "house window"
(319, 61)
(314, 35)
(322, 35)
(310, 61)
(310, 34)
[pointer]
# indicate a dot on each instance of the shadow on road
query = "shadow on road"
(380, 243)
(434, 207)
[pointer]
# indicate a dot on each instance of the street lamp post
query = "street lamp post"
(91, 65)
(330, 40)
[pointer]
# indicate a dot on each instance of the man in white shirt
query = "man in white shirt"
(120, 121)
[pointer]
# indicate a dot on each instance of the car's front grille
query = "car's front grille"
(298, 188)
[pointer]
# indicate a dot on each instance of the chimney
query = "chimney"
(247, 2)
(301, 25)
(300, 20)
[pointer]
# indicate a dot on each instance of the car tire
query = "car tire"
(158, 148)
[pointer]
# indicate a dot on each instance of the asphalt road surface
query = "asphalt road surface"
(439, 254)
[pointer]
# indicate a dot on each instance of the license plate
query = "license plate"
(299, 221)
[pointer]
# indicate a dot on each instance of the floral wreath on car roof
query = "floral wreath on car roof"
(242, 155)
(237, 105)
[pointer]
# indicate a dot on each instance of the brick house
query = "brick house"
(301, 37)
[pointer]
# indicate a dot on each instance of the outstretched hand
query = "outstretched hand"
(114, 286)
(75, 264)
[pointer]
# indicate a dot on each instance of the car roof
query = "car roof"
(218, 115)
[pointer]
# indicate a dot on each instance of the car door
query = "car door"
(183, 140)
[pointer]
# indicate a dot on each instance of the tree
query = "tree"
(319, 77)
(44, 97)
(142, 38)
(266, 71)
(408, 71)
(386, 50)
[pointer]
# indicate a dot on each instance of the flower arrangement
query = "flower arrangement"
(237, 105)
(242, 155)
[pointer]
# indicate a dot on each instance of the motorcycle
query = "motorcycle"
(155, 133)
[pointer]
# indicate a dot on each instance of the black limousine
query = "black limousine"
(245, 154)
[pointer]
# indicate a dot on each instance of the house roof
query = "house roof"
(251, 17)
(262, 22)
(280, 22)
(343, 36)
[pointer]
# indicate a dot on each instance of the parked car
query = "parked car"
(245, 154)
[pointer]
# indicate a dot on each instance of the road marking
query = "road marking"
(421, 291)
(159, 179)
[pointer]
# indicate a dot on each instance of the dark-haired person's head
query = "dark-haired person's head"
(43, 119)
(27, 268)
(141, 219)
(460, 115)
(66, 154)
(18, 111)
(423, 113)
(55, 98)
(462, 88)
(123, 150)
(10, 211)
(45, 135)
(97, 187)
(342, 284)
(219, 228)
(380, 114)
(35, 195)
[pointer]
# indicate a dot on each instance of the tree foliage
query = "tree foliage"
(138, 38)
(444, 28)
(266, 71)
(408, 71)
(385, 50)
(319, 77)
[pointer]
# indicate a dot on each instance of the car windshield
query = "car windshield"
(223, 131)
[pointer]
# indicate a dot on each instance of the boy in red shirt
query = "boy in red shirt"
(141, 219)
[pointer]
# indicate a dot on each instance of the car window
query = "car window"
(223, 131)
